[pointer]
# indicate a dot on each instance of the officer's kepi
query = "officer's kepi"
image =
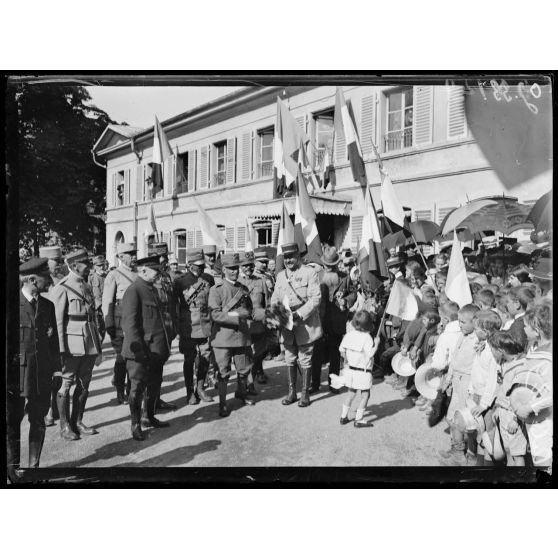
(35, 266)
(150, 261)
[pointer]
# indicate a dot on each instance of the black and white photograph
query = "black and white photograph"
(279, 274)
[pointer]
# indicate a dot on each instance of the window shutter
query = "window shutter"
(340, 148)
(199, 239)
(442, 212)
(457, 125)
(301, 121)
(423, 215)
(240, 237)
(231, 160)
(139, 182)
(191, 170)
(367, 124)
(127, 179)
(204, 168)
(190, 239)
(245, 156)
(257, 156)
(356, 228)
(275, 231)
(170, 174)
(229, 234)
(423, 97)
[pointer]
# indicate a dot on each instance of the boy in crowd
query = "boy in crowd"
(516, 301)
(484, 299)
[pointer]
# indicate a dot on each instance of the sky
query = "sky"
(137, 105)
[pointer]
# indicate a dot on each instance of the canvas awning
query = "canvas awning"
(323, 205)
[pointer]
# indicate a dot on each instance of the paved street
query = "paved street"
(267, 434)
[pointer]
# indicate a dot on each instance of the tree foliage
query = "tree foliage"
(51, 164)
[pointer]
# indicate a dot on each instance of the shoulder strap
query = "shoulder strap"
(234, 300)
(123, 275)
(292, 289)
(75, 292)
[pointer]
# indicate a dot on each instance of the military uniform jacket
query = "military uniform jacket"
(306, 302)
(215, 275)
(39, 352)
(334, 318)
(143, 324)
(192, 294)
(97, 282)
(116, 283)
(268, 278)
(228, 330)
(165, 291)
(75, 317)
(257, 289)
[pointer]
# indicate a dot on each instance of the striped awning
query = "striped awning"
(323, 205)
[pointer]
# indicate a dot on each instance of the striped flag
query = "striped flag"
(402, 302)
(250, 238)
(391, 206)
(457, 284)
(286, 236)
(371, 256)
(152, 222)
(287, 138)
(344, 126)
(210, 232)
(305, 166)
(161, 151)
(326, 171)
(306, 231)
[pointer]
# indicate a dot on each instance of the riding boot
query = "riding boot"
(150, 403)
(291, 397)
(242, 391)
(188, 370)
(222, 390)
(78, 408)
(305, 395)
(135, 415)
(63, 403)
(36, 440)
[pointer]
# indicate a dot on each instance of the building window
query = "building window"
(220, 176)
(263, 232)
(324, 135)
(265, 167)
(151, 240)
(148, 183)
(182, 167)
(120, 180)
(181, 246)
(399, 120)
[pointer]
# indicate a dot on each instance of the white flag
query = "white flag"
(457, 284)
(402, 302)
(393, 210)
(210, 232)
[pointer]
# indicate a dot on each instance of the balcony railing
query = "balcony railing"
(265, 169)
(398, 140)
(219, 178)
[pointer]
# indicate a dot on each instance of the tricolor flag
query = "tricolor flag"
(152, 223)
(371, 257)
(344, 125)
(306, 167)
(327, 170)
(457, 284)
(402, 302)
(286, 236)
(287, 138)
(210, 232)
(161, 151)
(391, 206)
(306, 231)
(250, 238)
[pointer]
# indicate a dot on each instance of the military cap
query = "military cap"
(230, 260)
(98, 260)
(151, 262)
(34, 266)
(261, 254)
(394, 261)
(209, 249)
(247, 258)
(159, 249)
(79, 255)
(50, 252)
(173, 260)
(126, 248)
(289, 248)
(195, 256)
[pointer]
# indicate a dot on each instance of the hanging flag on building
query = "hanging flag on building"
(391, 206)
(210, 232)
(161, 151)
(327, 171)
(287, 137)
(457, 284)
(250, 242)
(306, 231)
(371, 256)
(152, 223)
(402, 302)
(286, 236)
(344, 125)
(306, 167)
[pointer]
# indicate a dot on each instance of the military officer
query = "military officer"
(212, 266)
(174, 272)
(300, 285)
(194, 324)
(146, 344)
(79, 340)
(261, 262)
(230, 307)
(97, 280)
(260, 296)
(30, 376)
(115, 285)
(165, 291)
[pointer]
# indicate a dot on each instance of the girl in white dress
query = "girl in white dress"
(357, 349)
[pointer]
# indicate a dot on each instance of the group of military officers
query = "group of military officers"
(217, 308)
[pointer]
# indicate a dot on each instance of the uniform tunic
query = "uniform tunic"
(97, 282)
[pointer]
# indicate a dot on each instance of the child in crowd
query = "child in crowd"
(458, 377)
(518, 275)
(484, 299)
(357, 349)
(517, 300)
(500, 305)
(508, 353)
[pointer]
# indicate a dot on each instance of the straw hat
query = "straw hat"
(402, 365)
(527, 387)
(427, 380)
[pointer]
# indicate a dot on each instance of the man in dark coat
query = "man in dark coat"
(39, 357)
(146, 344)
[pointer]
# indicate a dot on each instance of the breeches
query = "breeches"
(77, 370)
(302, 353)
(242, 361)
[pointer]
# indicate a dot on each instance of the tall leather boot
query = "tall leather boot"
(36, 440)
(305, 392)
(202, 374)
(120, 382)
(242, 391)
(222, 390)
(188, 370)
(63, 403)
(135, 415)
(291, 396)
(150, 404)
(78, 408)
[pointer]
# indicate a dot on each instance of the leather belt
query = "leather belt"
(78, 318)
(356, 368)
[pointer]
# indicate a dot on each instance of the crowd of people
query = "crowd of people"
(484, 367)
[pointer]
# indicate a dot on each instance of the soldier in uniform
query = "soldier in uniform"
(115, 285)
(261, 262)
(194, 324)
(30, 377)
(211, 264)
(165, 291)
(79, 340)
(97, 280)
(174, 272)
(260, 296)
(146, 344)
(230, 307)
(300, 284)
